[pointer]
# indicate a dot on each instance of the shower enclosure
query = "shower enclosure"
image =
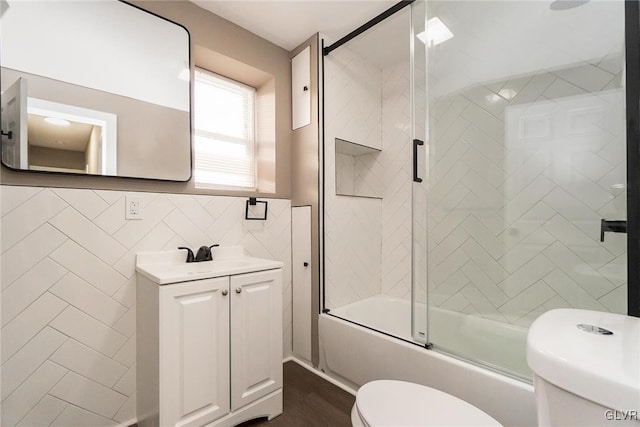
(471, 151)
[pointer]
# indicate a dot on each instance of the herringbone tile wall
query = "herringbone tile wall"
(368, 240)
(522, 171)
(68, 292)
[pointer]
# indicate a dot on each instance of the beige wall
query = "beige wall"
(54, 158)
(211, 33)
(304, 184)
(93, 155)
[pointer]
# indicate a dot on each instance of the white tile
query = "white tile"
(571, 291)
(485, 191)
(484, 284)
(484, 237)
(484, 121)
(616, 300)
(13, 196)
(483, 260)
(44, 413)
(588, 77)
(456, 302)
(527, 199)
(88, 235)
(29, 216)
(585, 190)
(533, 89)
(586, 247)
(87, 202)
(189, 206)
(452, 242)
(88, 267)
(529, 299)
(590, 165)
(82, 392)
(27, 396)
(29, 287)
(82, 295)
(127, 384)
(579, 271)
(133, 231)
(440, 273)
(127, 354)
(27, 324)
(74, 416)
(574, 210)
(29, 358)
(112, 219)
(89, 363)
(126, 295)
(90, 332)
(526, 250)
(616, 270)
(109, 196)
(153, 241)
(127, 414)
(487, 100)
(526, 276)
(127, 323)
(29, 252)
(561, 89)
(482, 306)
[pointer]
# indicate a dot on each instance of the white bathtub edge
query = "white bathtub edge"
(370, 355)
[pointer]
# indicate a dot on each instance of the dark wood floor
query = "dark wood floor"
(309, 401)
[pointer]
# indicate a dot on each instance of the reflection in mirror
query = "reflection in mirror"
(88, 100)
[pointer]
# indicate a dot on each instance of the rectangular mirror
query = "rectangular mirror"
(94, 87)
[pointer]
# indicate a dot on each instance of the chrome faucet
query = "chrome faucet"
(204, 253)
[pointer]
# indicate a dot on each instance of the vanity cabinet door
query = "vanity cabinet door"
(194, 352)
(256, 336)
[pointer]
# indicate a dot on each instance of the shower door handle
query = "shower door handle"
(416, 143)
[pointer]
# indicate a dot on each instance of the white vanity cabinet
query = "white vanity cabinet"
(209, 351)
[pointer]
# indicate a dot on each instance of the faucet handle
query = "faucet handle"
(214, 246)
(190, 256)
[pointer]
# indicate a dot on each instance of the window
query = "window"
(224, 136)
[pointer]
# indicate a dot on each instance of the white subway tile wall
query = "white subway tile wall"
(68, 291)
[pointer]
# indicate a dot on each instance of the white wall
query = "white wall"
(68, 291)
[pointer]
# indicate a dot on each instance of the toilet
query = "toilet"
(586, 368)
(388, 403)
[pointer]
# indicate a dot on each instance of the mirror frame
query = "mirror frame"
(190, 118)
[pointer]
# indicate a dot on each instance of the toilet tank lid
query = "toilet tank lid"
(400, 403)
(585, 360)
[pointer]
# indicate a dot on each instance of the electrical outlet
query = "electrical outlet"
(133, 208)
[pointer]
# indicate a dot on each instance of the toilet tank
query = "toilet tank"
(586, 367)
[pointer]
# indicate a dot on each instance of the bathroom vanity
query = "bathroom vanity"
(209, 343)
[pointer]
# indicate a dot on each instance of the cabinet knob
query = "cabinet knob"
(224, 292)
(238, 290)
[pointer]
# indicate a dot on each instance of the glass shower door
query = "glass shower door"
(419, 264)
(527, 155)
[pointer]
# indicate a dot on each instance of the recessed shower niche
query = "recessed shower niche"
(358, 170)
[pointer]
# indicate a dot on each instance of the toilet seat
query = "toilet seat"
(386, 403)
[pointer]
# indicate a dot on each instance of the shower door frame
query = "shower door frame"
(632, 60)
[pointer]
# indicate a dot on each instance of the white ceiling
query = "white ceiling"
(73, 137)
(493, 40)
(289, 23)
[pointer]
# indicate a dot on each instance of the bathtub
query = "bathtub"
(355, 355)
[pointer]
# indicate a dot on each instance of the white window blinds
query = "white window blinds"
(224, 116)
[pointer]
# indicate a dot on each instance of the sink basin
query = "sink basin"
(170, 267)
